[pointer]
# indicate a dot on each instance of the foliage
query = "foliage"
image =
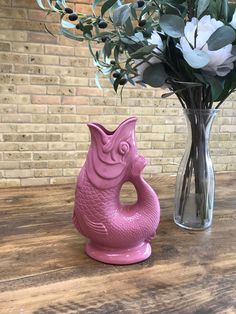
(160, 43)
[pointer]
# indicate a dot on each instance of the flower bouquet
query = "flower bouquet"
(187, 46)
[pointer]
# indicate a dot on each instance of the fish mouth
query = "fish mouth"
(138, 165)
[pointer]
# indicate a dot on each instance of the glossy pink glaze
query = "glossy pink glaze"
(118, 234)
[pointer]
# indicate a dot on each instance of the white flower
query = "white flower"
(142, 66)
(197, 32)
(156, 40)
(233, 22)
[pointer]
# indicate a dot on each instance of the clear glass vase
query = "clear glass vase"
(195, 183)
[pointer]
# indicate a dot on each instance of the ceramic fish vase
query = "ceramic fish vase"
(118, 234)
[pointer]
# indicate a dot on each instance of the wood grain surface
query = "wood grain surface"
(43, 267)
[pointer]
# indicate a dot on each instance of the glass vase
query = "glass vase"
(195, 182)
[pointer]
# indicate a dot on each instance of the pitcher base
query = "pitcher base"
(119, 256)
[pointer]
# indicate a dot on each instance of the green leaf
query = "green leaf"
(155, 75)
(81, 26)
(172, 25)
(131, 81)
(233, 79)
(116, 53)
(233, 51)
(227, 89)
(58, 7)
(127, 41)
(147, 9)
(129, 30)
(100, 35)
(179, 7)
(87, 28)
(197, 59)
(52, 6)
(87, 34)
(138, 37)
(129, 67)
(171, 93)
(97, 80)
(70, 35)
(95, 3)
(61, 2)
(231, 10)
(172, 9)
(91, 50)
(216, 84)
(222, 37)
(67, 24)
(200, 77)
(40, 4)
(141, 52)
(107, 5)
(133, 12)
(186, 83)
(218, 7)
(212, 9)
(121, 15)
(225, 10)
(202, 6)
(116, 84)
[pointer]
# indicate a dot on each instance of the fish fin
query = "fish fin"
(97, 227)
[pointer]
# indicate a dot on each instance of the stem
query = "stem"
(195, 181)
(181, 101)
(164, 60)
(221, 102)
(185, 186)
(201, 170)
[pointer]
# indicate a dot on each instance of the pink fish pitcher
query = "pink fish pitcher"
(118, 234)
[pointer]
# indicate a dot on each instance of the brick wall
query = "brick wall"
(48, 94)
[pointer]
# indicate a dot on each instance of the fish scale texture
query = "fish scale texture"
(104, 221)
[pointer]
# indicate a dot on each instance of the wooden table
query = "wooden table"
(43, 268)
